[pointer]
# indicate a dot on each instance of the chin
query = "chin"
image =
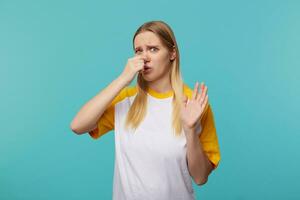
(148, 78)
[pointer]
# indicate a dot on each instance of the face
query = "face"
(156, 56)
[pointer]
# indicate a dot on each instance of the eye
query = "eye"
(137, 51)
(154, 48)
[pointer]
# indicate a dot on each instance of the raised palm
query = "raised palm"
(192, 109)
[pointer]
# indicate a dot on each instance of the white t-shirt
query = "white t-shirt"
(150, 162)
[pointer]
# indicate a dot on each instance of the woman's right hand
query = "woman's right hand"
(133, 66)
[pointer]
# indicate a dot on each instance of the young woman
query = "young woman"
(164, 131)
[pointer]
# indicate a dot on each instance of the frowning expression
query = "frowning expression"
(156, 56)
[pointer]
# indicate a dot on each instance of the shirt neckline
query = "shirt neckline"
(159, 95)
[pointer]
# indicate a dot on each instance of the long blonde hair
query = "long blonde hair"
(138, 108)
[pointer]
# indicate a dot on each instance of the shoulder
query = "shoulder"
(130, 90)
(126, 92)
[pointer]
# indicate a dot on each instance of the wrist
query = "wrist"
(188, 128)
(123, 80)
(190, 135)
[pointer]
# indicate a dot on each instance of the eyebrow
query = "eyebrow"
(148, 46)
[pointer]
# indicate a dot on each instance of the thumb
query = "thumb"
(185, 100)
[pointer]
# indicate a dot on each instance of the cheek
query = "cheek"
(160, 60)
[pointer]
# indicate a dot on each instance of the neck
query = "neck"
(161, 85)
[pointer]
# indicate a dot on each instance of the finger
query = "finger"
(137, 56)
(140, 64)
(185, 100)
(183, 103)
(195, 92)
(204, 107)
(140, 58)
(204, 92)
(205, 102)
(201, 95)
(143, 59)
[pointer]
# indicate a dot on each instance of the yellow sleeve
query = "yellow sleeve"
(106, 122)
(208, 137)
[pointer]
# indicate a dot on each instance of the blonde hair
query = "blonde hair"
(138, 108)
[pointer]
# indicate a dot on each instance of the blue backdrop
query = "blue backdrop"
(56, 55)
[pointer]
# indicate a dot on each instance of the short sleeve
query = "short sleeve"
(208, 137)
(106, 122)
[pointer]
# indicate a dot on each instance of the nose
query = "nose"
(145, 57)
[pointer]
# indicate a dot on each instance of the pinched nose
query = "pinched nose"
(145, 57)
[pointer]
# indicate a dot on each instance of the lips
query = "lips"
(146, 67)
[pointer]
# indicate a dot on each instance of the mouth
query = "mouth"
(147, 69)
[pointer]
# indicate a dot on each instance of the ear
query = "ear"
(173, 54)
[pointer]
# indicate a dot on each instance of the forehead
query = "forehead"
(146, 38)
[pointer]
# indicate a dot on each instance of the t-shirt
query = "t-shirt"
(150, 161)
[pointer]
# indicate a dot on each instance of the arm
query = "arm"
(192, 112)
(87, 117)
(199, 165)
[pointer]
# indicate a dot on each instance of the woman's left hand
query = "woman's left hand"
(192, 109)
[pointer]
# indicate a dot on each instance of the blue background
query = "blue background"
(56, 55)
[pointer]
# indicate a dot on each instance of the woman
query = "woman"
(164, 132)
